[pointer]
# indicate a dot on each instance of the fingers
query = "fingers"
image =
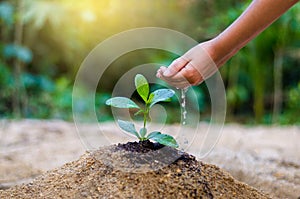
(177, 84)
(175, 67)
(191, 69)
(188, 76)
(191, 74)
(160, 72)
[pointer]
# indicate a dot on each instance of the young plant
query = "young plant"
(150, 99)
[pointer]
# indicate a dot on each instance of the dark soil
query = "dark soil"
(140, 147)
(134, 170)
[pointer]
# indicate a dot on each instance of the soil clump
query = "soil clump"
(135, 170)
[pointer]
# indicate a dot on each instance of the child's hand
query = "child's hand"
(191, 69)
(203, 60)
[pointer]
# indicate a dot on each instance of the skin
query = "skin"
(189, 69)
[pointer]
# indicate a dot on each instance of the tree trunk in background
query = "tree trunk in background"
(233, 76)
(259, 87)
(278, 65)
(257, 73)
(18, 97)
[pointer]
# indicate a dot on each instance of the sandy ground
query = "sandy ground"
(267, 158)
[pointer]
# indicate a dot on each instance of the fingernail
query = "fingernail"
(167, 73)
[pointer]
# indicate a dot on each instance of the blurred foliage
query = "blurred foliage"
(18, 52)
(291, 114)
(7, 13)
(56, 35)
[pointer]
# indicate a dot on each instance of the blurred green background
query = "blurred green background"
(43, 43)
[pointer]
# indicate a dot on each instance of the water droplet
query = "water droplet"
(183, 106)
(184, 140)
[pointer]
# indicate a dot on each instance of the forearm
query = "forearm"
(258, 16)
(200, 62)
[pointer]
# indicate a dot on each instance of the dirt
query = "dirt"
(92, 177)
(265, 157)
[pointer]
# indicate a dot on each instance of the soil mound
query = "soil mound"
(135, 170)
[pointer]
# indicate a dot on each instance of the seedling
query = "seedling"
(150, 99)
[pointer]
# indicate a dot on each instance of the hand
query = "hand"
(203, 60)
(191, 69)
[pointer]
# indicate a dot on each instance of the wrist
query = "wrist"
(222, 49)
(214, 50)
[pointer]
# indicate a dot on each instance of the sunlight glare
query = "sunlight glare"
(88, 16)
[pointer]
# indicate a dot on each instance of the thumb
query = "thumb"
(175, 67)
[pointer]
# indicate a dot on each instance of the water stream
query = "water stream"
(183, 106)
(183, 116)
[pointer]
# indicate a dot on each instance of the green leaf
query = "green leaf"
(163, 139)
(161, 95)
(143, 132)
(151, 96)
(142, 86)
(139, 112)
(153, 134)
(121, 102)
(128, 127)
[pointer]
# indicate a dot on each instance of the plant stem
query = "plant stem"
(146, 112)
(145, 116)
